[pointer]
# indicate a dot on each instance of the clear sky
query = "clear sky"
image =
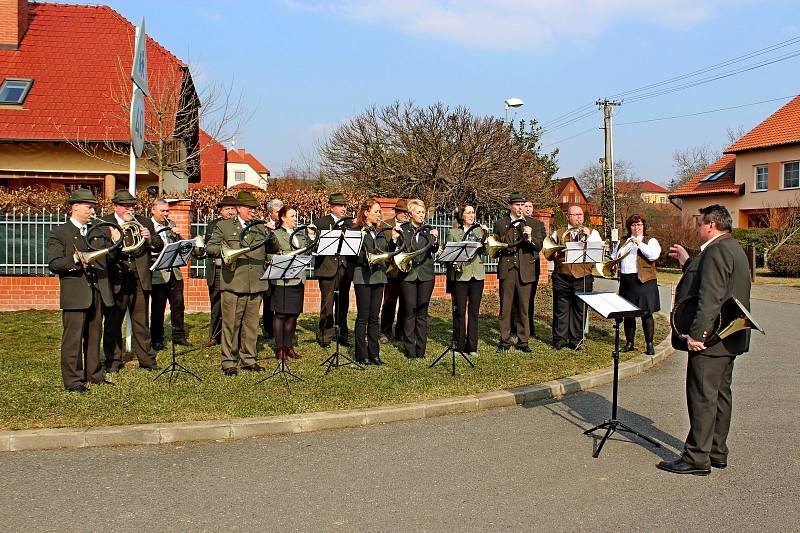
(307, 65)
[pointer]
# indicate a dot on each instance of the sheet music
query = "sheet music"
(605, 303)
(286, 267)
(173, 255)
(579, 252)
(458, 252)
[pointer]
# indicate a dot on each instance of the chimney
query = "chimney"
(13, 23)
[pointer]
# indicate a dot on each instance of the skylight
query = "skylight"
(714, 176)
(14, 91)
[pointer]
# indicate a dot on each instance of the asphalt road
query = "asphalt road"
(515, 469)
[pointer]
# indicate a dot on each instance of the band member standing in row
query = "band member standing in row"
(241, 286)
(720, 272)
(227, 210)
(131, 280)
(637, 280)
(83, 293)
(467, 281)
(517, 270)
(391, 293)
(167, 285)
(569, 313)
(416, 287)
(330, 269)
(273, 208)
(368, 281)
(287, 295)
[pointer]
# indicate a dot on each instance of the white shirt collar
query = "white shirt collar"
(76, 223)
(241, 221)
(119, 220)
(709, 241)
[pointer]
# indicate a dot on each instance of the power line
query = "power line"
(704, 112)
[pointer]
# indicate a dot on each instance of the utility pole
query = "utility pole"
(609, 202)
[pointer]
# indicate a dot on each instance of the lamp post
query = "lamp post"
(512, 102)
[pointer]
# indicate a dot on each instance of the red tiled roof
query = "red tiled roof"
(781, 127)
(640, 186)
(79, 58)
(212, 162)
(242, 157)
(559, 184)
(724, 185)
(247, 187)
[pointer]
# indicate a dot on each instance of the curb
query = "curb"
(241, 428)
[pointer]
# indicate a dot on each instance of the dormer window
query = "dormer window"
(14, 91)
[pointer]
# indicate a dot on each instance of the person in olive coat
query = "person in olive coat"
(84, 290)
(369, 281)
(227, 209)
(416, 286)
(705, 292)
(466, 283)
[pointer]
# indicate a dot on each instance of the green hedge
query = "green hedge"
(757, 237)
(785, 260)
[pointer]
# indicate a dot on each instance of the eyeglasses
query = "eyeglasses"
(637, 224)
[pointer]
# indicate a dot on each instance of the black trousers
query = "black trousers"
(130, 296)
(368, 302)
(266, 318)
(326, 288)
(710, 402)
(80, 344)
(569, 311)
(391, 297)
(215, 297)
(466, 305)
(531, 312)
(171, 291)
(512, 288)
(416, 297)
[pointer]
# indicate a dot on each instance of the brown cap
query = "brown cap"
(401, 205)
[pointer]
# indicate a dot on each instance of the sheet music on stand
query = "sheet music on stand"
(458, 252)
(173, 255)
(283, 267)
(338, 242)
(584, 252)
(608, 304)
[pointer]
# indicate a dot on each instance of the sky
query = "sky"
(305, 66)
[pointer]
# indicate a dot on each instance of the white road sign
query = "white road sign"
(139, 70)
(137, 122)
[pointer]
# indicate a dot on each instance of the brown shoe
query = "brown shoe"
(211, 343)
(255, 367)
(230, 371)
(291, 353)
(280, 354)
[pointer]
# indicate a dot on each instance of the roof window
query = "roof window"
(714, 176)
(14, 91)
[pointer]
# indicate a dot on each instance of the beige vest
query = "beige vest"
(576, 271)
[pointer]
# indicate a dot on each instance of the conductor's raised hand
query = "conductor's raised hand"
(676, 251)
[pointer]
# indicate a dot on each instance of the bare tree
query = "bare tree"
(441, 155)
(174, 113)
(690, 161)
(784, 222)
(590, 178)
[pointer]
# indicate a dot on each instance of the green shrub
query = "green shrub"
(758, 237)
(785, 260)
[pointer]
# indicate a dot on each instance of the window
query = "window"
(714, 176)
(791, 175)
(14, 91)
(564, 199)
(238, 175)
(762, 178)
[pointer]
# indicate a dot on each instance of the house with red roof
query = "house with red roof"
(64, 103)
(649, 192)
(757, 177)
(244, 168)
(567, 191)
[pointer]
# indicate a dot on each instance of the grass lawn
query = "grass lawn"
(32, 395)
(763, 277)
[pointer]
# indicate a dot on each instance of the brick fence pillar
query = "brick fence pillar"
(544, 216)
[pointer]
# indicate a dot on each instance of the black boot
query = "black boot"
(651, 350)
(628, 347)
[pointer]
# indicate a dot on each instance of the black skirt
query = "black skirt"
(287, 299)
(642, 295)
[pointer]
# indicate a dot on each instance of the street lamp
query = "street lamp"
(512, 102)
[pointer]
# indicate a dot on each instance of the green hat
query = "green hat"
(516, 197)
(246, 199)
(227, 200)
(82, 196)
(123, 197)
(337, 198)
(401, 205)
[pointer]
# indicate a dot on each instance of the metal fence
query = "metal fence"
(23, 250)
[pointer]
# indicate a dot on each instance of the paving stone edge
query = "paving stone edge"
(239, 428)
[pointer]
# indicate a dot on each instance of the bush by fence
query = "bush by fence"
(785, 260)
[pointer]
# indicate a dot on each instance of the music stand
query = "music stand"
(283, 267)
(582, 252)
(174, 255)
(611, 305)
(339, 242)
(456, 252)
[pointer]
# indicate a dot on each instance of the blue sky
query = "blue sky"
(305, 66)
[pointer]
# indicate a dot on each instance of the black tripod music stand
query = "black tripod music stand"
(175, 255)
(285, 267)
(455, 252)
(339, 243)
(610, 305)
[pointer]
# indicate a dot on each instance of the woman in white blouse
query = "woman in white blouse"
(637, 281)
